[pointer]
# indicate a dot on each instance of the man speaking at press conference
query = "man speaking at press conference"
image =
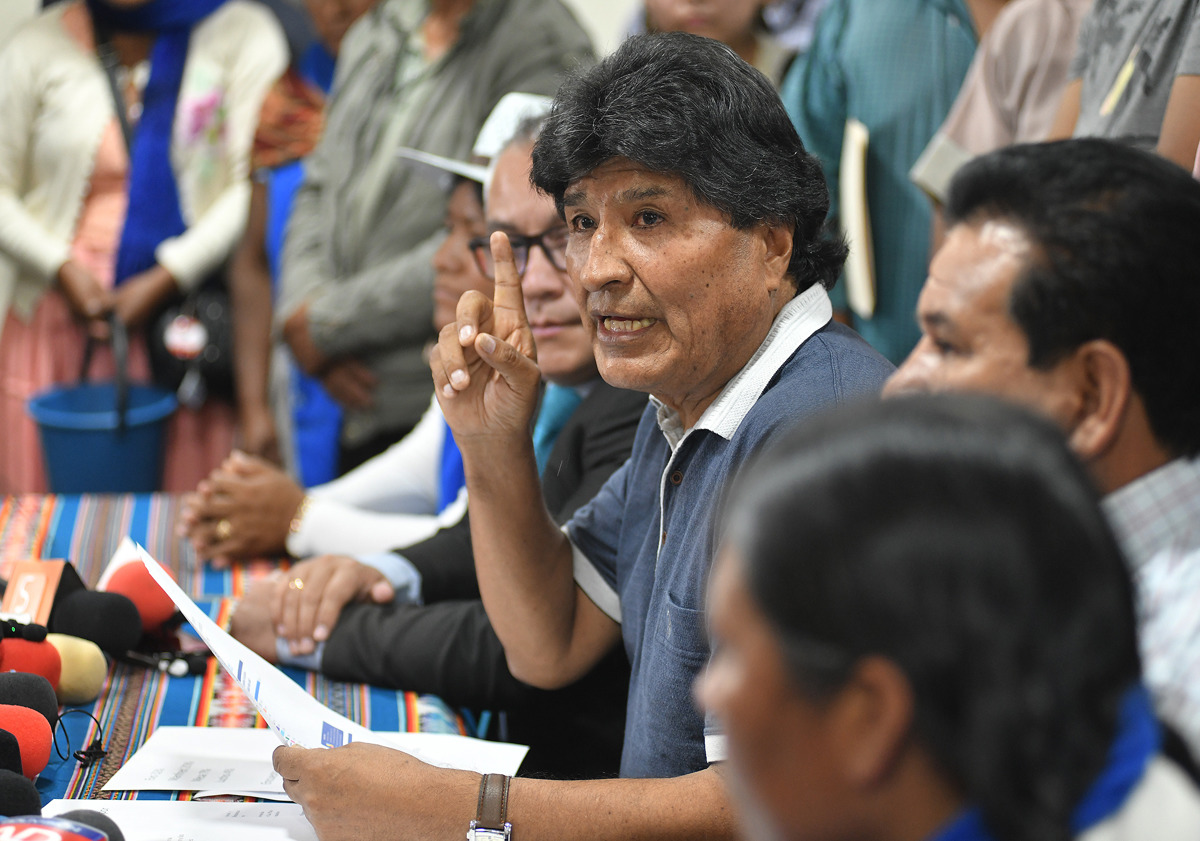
(702, 283)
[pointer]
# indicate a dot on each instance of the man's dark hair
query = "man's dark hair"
(957, 537)
(1116, 236)
(688, 106)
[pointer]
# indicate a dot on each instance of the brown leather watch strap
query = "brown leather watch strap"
(492, 812)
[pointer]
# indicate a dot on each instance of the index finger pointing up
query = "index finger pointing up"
(508, 282)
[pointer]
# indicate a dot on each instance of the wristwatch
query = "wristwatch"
(491, 815)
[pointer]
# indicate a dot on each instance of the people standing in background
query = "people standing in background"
(739, 24)
(396, 498)
(1011, 93)
(355, 290)
(1135, 78)
(300, 425)
(89, 228)
(890, 71)
(793, 21)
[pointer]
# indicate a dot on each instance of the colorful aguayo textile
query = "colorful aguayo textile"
(86, 530)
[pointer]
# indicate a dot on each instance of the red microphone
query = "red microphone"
(39, 658)
(33, 736)
(134, 581)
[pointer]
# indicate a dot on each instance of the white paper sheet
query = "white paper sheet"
(298, 718)
(203, 758)
(180, 820)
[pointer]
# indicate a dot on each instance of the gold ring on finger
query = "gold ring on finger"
(296, 584)
(224, 529)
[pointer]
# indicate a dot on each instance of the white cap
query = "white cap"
(498, 129)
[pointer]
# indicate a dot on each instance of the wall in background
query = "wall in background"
(606, 20)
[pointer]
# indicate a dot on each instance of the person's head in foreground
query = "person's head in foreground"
(694, 214)
(1068, 282)
(923, 625)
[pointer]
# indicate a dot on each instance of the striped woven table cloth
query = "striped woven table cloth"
(85, 530)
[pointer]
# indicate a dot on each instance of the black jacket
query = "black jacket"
(447, 646)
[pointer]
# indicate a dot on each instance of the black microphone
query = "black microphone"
(10, 752)
(96, 820)
(23, 689)
(108, 619)
(78, 825)
(18, 796)
(19, 630)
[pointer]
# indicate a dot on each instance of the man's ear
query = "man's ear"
(874, 720)
(1106, 388)
(778, 240)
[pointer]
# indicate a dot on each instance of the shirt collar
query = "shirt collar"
(799, 319)
(1153, 511)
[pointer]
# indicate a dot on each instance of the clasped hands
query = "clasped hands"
(301, 605)
(242, 510)
(134, 301)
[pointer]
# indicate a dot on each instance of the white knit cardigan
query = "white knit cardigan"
(54, 105)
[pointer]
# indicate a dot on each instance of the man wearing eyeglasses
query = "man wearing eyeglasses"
(445, 646)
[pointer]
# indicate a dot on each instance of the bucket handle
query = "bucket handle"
(119, 339)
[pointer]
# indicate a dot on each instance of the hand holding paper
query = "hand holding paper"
(298, 718)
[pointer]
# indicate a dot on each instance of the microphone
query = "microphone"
(84, 669)
(10, 753)
(21, 689)
(109, 620)
(77, 825)
(18, 796)
(39, 658)
(51, 593)
(18, 630)
(134, 581)
(33, 736)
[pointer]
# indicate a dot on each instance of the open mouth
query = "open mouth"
(626, 325)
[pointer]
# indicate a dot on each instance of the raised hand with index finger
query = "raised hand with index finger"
(484, 366)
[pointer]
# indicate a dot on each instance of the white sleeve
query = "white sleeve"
(22, 237)
(405, 478)
(386, 503)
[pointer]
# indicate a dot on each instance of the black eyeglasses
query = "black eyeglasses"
(552, 241)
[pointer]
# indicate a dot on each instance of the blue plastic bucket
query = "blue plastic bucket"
(87, 448)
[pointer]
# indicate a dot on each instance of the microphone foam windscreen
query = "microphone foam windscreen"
(39, 658)
(18, 796)
(84, 669)
(21, 689)
(108, 619)
(10, 752)
(33, 735)
(96, 820)
(134, 582)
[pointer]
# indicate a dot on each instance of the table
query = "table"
(85, 529)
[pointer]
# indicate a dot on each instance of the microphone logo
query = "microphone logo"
(43, 829)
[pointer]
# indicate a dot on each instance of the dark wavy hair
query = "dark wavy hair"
(689, 106)
(1116, 233)
(958, 537)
